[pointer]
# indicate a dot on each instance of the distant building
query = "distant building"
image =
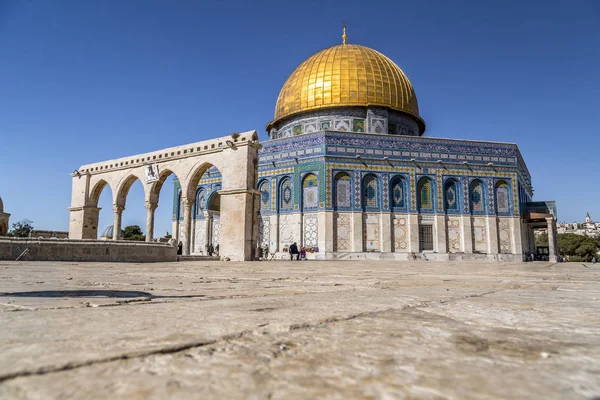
(587, 228)
(3, 220)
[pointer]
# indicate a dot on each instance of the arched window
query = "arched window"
(310, 191)
(200, 201)
(265, 195)
(476, 196)
(286, 200)
(425, 191)
(502, 202)
(369, 192)
(451, 195)
(397, 193)
(343, 190)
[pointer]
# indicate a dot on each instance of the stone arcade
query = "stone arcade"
(347, 174)
(235, 157)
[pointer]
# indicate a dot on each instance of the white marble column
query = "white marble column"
(413, 233)
(357, 232)
(117, 222)
(325, 235)
(386, 232)
(467, 236)
(552, 240)
(442, 232)
(492, 231)
(150, 207)
(187, 226)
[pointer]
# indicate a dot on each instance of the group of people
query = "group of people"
(210, 249)
(300, 254)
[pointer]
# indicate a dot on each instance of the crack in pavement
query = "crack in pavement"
(196, 344)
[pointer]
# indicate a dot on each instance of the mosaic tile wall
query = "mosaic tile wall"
(310, 234)
(400, 231)
(477, 197)
(454, 233)
(504, 236)
(479, 235)
(342, 239)
(310, 192)
(370, 191)
(502, 202)
(343, 191)
(371, 232)
(264, 231)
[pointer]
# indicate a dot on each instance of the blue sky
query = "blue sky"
(85, 81)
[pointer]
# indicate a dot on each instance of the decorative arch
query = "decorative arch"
(97, 191)
(342, 190)
(452, 195)
(265, 195)
(398, 192)
(155, 187)
(425, 194)
(370, 191)
(477, 196)
(502, 197)
(195, 176)
(123, 189)
(310, 191)
(286, 194)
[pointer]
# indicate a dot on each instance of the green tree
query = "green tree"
(21, 229)
(577, 247)
(541, 239)
(133, 232)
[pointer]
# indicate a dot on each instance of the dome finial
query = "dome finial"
(344, 34)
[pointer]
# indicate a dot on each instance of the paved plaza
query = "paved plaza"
(283, 330)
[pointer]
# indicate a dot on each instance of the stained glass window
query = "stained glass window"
(397, 192)
(502, 204)
(425, 195)
(285, 195)
(369, 196)
(265, 196)
(451, 196)
(342, 190)
(310, 191)
(477, 200)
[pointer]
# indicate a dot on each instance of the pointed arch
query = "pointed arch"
(265, 195)
(452, 195)
(425, 195)
(370, 191)
(477, 196)
(310, 192)
(286, 194)
(398, 193)
(502, 197)
(155, 187)
(342, 190)
(97, 191)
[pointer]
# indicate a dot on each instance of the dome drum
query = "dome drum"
(377, 120)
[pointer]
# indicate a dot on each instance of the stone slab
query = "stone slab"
(314, 329)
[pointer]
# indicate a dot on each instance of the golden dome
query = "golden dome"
(347, 75)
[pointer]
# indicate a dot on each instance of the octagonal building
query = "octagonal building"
(347, 174)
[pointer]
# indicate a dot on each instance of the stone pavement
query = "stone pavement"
(283, 330)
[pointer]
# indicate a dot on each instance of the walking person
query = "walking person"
(593, 260)
(294, 251)
(179, 250)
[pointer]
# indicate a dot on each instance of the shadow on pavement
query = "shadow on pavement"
(93, 293)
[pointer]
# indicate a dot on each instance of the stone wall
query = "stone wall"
(86, 250)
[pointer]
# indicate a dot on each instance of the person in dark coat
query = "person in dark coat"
(180, 248)
(294, 251)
